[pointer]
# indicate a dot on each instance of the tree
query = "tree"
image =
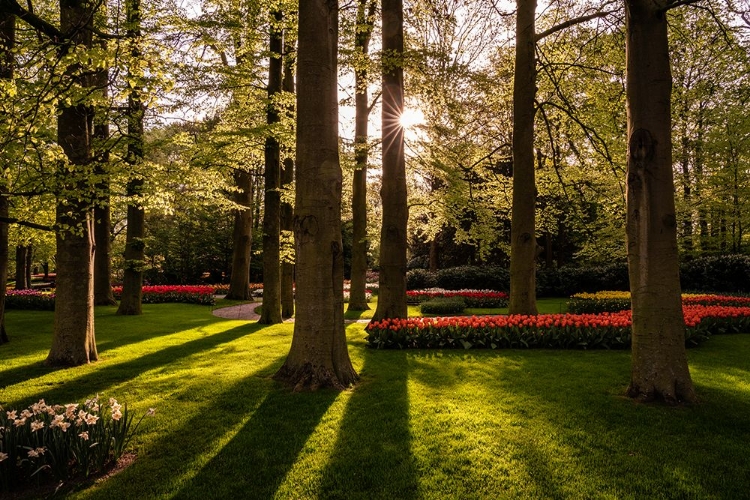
(242, 237)
(659, 362)
(74, 341)
(392, 283)
(363, 32)
(287, 208)
(318, 356)
(132, 283)
(523, 247)
(271, 313)
(7, 42)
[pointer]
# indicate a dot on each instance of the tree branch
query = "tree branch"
(36, 22)
(33, 225)
(573, 22)
(677, 3)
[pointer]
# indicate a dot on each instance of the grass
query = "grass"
(420, 424)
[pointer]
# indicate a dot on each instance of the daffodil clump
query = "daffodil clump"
(61, 441)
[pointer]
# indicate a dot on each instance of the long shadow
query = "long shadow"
(128, 330)
(170, 458)
(88, 384)
(624, 449)
(257, 459)
(374, 435)
(124, 336)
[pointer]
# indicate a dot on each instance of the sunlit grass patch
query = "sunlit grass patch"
(420, 424)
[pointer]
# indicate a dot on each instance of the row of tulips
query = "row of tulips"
(30, 299)
(188, 294)
(473, 298)
(608, 330)
(609, 301)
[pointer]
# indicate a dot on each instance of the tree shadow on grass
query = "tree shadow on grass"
(97, 381)
(374, 435)
(167, 465)
(613, 446)
(254, 463)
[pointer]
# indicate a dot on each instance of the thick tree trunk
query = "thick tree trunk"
(659, 365)
(242, 238)
(357, 289)
(73, 341)
(523, 249)
(271, 313)
(7, 42)
(135, 256)
(318, 356)
(392, 287)
(287, 209)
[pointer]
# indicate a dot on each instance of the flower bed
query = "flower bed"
(188, 294)
(30, 299)
(473, 298)
(618, 301)
(58, 442)
(560, 331)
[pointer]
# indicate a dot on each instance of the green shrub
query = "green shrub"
(443, 305)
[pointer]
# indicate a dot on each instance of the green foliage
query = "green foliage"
(721, 273)
(443, 305)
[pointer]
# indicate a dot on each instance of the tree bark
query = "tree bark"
(4, 205)
(7, 63)
(522, 234)
(134, 254)
(21, 283)
(74, 341)
(392, 286)
(318, 356)
(358, 283)
(659, 362)
(271, 312)
(103, 295)
(242, 238)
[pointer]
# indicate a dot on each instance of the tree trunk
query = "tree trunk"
(659, 364)
(318, 356)
(271, 312)
(242, 238)
(523, 249)
(27, 265)
(7, 42)
(21, 283)
(103, 295)
(392, 287)
(134, 254)
(357, 289)
(287, 209)
(4, 204)
(74, 341)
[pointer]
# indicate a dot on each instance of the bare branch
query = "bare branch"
(36, 22)
(573, 22)
(678, 3)
(33, 225)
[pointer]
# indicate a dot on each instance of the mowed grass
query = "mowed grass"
(420, 424)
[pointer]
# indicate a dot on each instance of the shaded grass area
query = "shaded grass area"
(421, 424)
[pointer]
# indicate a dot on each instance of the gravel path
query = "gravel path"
(247, 312)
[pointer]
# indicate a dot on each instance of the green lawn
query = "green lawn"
(421, 424)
